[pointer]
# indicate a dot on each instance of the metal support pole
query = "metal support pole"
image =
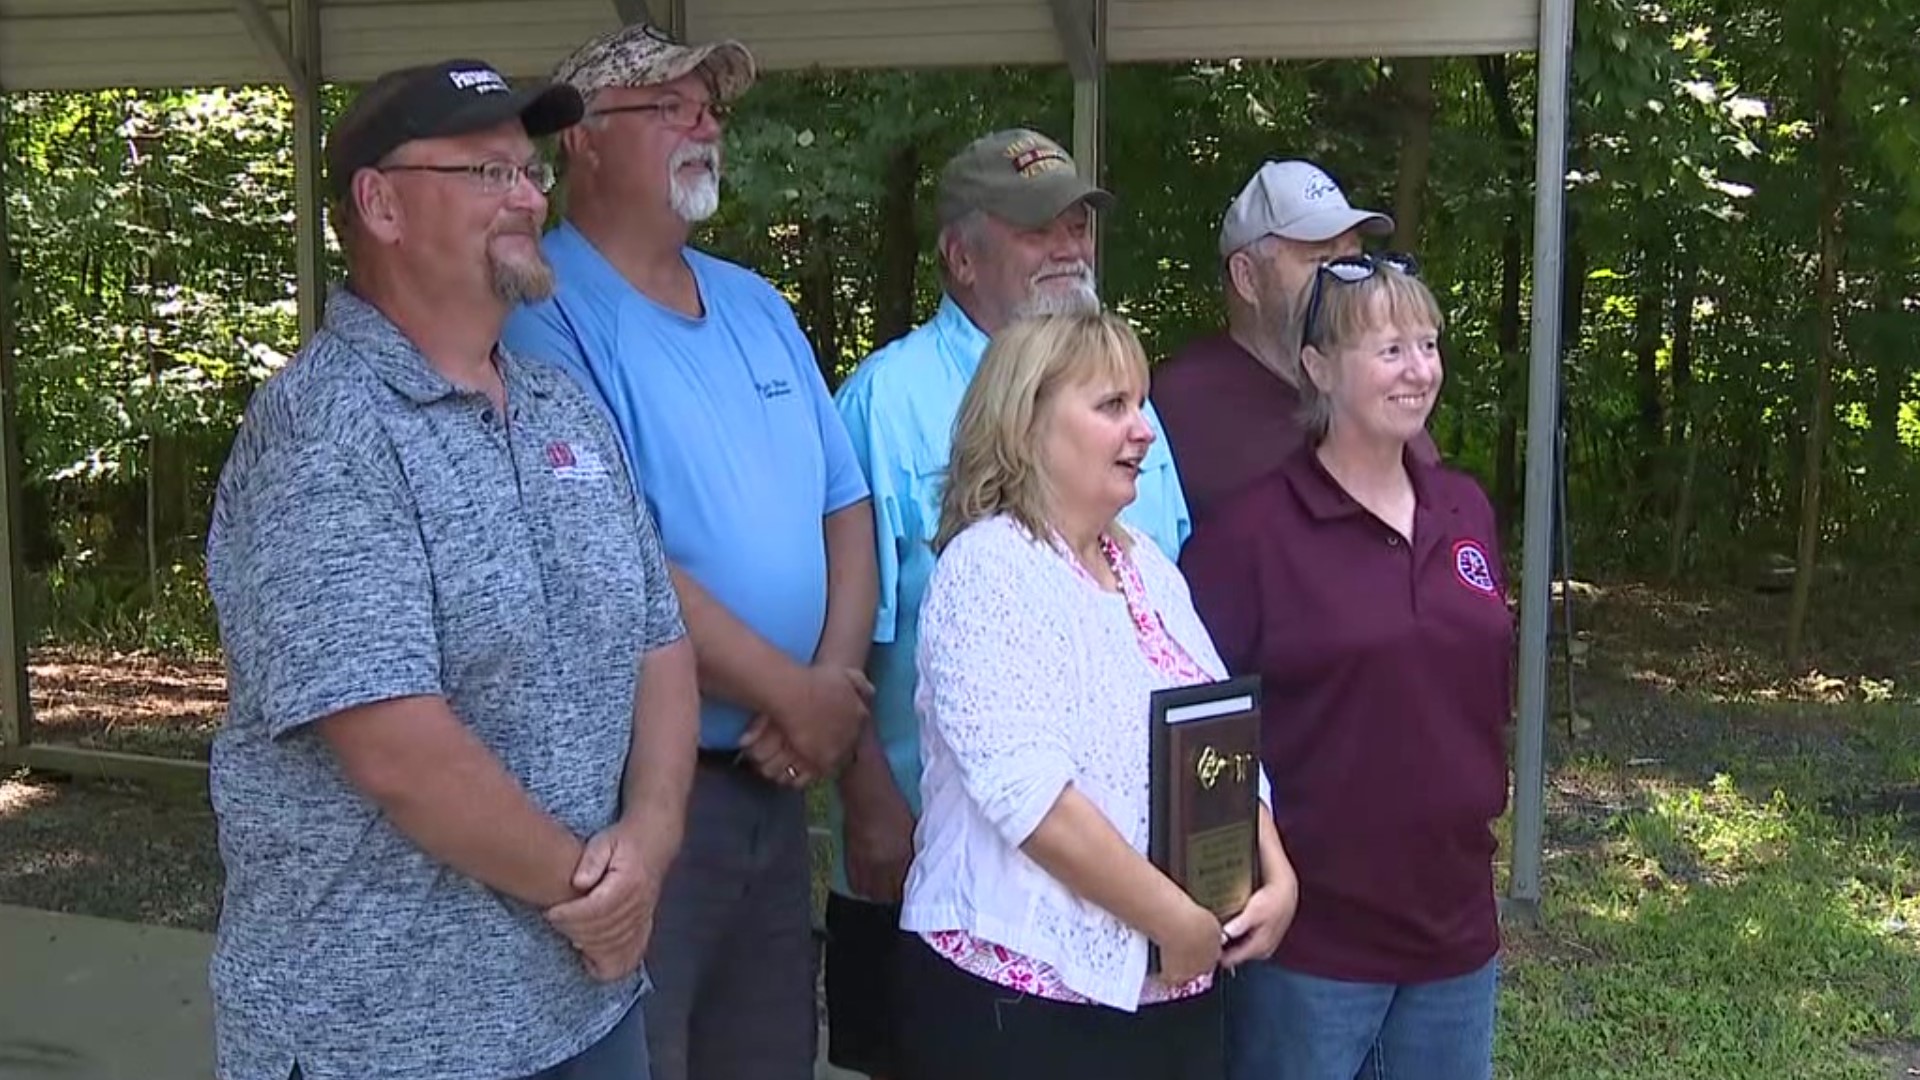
(668, 15)
(1090, 113)
(1543, 396)
(16, 707)
(310, 253)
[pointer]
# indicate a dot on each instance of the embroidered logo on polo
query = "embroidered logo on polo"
(1470, 565)
(571, 462)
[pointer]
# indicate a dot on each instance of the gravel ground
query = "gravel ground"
(112, 850)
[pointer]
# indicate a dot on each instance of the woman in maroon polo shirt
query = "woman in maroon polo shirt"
(1365, 588)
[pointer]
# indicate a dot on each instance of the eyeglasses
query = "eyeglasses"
(1351, 270)
(678, 112)
(495, 177)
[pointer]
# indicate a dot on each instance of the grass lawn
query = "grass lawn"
(1732, 881)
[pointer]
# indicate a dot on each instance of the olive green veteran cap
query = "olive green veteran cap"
(1019, 176)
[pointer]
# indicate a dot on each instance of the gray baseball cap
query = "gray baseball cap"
(1295, 200)
(1018, 176)
(639, 54)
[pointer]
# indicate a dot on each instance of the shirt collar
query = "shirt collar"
(566, 246)
(583, 264)
(1326, 500)
(386, 349)
(962, 340)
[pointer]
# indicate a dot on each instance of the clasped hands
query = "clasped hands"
(810, 736)
(611, 920)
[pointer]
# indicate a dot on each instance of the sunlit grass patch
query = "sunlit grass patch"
(1710, 933)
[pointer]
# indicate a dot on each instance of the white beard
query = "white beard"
(1080, 298)
(694, 202)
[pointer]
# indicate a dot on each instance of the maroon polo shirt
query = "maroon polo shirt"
(1229, 419)
(1386, 671)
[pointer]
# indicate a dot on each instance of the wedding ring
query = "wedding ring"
(793, 773)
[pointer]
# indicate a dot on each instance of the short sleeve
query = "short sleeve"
(876, 455)
(335, 602)
(664, 624)
(1488, 525)
(1221, 565)
(995, 670)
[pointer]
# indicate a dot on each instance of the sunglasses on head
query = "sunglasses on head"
(1351, 270)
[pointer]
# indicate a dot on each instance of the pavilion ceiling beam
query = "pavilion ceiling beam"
(274, 44)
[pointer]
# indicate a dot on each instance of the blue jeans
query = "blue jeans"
(1282, 1025)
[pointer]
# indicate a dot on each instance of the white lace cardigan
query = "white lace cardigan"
(1030, 679)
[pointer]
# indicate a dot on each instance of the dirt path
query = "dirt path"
(137, 704)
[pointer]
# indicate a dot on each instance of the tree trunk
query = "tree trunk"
(1891, 367)
(1413, 89)
(899, 246)
(1648, 323)
(1573, 282)
(1684, 432)
(1686, 288)
(817, 302)
(1826, 304)
(1496, 81)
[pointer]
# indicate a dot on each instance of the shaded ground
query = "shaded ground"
(111, 850)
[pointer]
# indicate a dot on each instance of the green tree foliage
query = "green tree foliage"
(155, 267)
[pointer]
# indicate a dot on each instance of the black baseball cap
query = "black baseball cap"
(433, 101)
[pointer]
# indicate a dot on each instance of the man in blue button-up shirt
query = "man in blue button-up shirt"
(1015, 239)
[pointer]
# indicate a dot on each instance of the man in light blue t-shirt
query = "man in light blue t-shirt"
(767, 527)
(1015, 239)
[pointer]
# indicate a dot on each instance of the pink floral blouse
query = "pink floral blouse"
(1006, 967)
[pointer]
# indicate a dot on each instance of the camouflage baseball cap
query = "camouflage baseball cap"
(640, 54)
(1018, 176)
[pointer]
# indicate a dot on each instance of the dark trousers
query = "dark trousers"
(863, 1018)
(732, 958)
(955, 1026)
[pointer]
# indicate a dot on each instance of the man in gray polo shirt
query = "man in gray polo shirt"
(456, 762)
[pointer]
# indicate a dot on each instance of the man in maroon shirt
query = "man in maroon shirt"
(1229, 403)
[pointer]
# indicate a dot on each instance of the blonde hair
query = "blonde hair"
(995, 464)
(1347, 312)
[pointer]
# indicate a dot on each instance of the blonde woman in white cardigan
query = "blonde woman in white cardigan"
(1046, 626)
